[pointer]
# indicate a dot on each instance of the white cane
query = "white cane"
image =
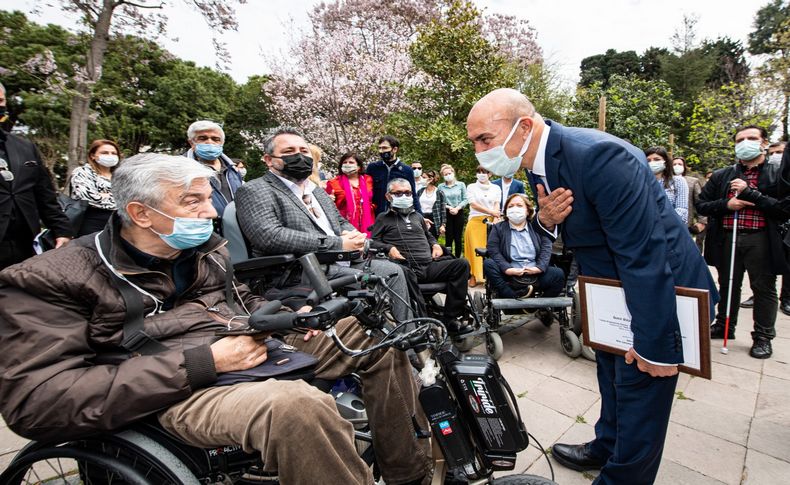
(729, 295)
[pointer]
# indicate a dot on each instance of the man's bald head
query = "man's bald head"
(503, 104)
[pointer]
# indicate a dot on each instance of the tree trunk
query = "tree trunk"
(785, 116)
(80, 105)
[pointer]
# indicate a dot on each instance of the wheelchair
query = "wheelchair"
(565, 308)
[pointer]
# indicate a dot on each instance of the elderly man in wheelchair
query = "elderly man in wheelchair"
(402, 234)
(121, 325)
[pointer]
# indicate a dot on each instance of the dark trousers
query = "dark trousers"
(550, 283)
(633, 424)
(453, 271)
(784, 296)
(16, 247)
(752, 255)
(454, 232)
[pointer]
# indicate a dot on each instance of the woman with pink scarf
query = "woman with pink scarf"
(353, 193)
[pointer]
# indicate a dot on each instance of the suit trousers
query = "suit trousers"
(15, 247)
(751, 255)
(632, 428)
(296, 428)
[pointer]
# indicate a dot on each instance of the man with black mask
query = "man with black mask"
(402, 234)
(284, 212)
(387, 168)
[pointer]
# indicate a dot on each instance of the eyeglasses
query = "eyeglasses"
(7, 175)
(399, 193)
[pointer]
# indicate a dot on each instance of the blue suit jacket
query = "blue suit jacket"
(622, 226)
(516, 187)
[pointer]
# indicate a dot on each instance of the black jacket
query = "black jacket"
(712, 203)
(31, 190)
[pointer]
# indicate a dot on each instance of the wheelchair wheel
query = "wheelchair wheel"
(464, 344)
(587, 352)
(522, 480)
(71, 465)
(494, 345)
(570, 344)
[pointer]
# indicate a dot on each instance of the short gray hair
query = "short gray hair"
(146, 177)
(268, 143)
(397, 181)
(204, 125)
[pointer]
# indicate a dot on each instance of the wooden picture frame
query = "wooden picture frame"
(702, 327)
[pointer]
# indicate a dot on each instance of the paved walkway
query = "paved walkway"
(734, 429)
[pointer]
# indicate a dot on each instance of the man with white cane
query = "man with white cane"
(744, 214)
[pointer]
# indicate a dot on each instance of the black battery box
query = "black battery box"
(489, 406)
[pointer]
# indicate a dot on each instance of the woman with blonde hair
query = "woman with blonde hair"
(484, 200)
(519, 254)
(455, 200)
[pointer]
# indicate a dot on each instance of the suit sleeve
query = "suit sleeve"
(544, 251)
(47, 202)
(493, 247)
(624, 193)
(260, 220)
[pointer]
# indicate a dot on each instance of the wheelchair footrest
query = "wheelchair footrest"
(515, 304)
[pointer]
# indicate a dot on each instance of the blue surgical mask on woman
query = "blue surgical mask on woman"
(188, 232)
(208, 151)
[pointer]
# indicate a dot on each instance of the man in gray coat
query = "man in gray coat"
(284, 212)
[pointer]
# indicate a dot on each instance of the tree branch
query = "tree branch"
(138, 5)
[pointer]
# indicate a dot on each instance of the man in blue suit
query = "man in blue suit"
(509, 186)
(599, 192)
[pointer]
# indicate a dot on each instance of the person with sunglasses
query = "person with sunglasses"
(27, 197)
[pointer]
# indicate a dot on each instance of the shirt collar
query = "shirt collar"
(307, 187)
(539, 167)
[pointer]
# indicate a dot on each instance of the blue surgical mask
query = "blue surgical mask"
(188, 232)
(495, 159)
(748, 150)
(208, 151)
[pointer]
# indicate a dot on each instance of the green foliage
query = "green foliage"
(729, 64)
(639, 110)
(600, 68)
(459, 66)
(767, 22)
(716, 114)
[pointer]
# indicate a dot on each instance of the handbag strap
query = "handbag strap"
(135, 340)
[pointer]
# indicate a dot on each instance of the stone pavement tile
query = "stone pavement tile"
(522, 341)
(738, 355)
(520, 379)
(781, 347)
(562, 475)
(683, 381)
(545, 424)
(546, 361)
(671, 473)
(736, 377)
(722, 396)
(774, 400)
(591, 415)
(777, 368)
(705, 454)
(771, 438)
(712, 420)
(10, 442)
(765, 470)
(581, 373)
(568, 399)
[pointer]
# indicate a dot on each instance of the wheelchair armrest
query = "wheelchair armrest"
(482, 252)
(333, 256)
(256, 266)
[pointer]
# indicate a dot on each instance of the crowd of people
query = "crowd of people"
(155, 221)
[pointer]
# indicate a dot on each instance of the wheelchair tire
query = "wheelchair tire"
(522, 480)
(464, 344)
(494, 345)
(587, 352)
(46, 465)
(576, 315)
(570, 344)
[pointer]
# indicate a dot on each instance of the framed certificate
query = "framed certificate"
(606, 322)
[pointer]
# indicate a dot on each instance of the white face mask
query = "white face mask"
(449, 177)
(349, 168)
(495, 159)
(775, 158)
(417, 173)
(516, 215)
(657, 166)
(107, 160)
(678, 169)
(482, 178)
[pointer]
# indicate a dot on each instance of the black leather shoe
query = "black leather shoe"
(456, 326)
(717, 331)
(748, 303)
(576, 457)
(761, 348)
(785, 307)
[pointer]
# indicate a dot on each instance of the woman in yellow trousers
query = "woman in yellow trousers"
(484, 200)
